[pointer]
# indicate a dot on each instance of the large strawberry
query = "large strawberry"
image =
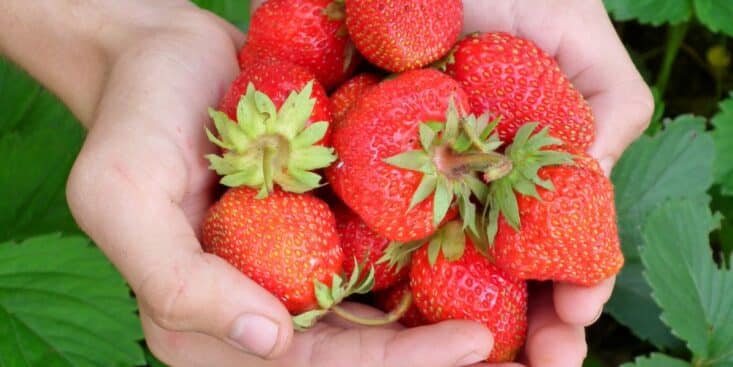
(360, 242)
(347, 94)
(310, 33)
(401, 155)
(283, 242)
(404, 35)
(452, 280)
(273, 123)
(553, 221)
(514, 79)
(389, 299)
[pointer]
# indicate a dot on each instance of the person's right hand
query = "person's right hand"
(140, 189)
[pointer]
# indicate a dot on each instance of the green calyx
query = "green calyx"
(450, 157)
(268, 146)
(329, 297)
(450, 240)
(528, 154)
(397, 255)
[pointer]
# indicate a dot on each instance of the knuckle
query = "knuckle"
(167, 295)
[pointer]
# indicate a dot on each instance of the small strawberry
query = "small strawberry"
(451, 280)
(273, 125)
(310, 33)
(389, 299)
(360, 242)
(553, 218)
(283, 242)
(404, 35)
(402, 161)
(346, 96)
(512, 78)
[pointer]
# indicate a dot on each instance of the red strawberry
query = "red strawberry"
(310, 33)
(283, 242)
(513, 78)
(277, 79)
(387, 300)
(274, 124)
(404, 35)
(472, 288)
(391, 162)
(567, 234)
(361, 243)
(346, 96)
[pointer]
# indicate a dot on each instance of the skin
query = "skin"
(140, 76)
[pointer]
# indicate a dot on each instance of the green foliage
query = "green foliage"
(657, 360)
(63, 304)
(673, 164)
(714, 14)
(39, 140)
(695, 297)
(723, 136)
(235, 11)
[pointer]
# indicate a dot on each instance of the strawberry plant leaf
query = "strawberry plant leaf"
(716, 15)
(654, 12)
(235, 11)
(657, 360)
(39, 140)
(723, 137)
(675, 163)
(694, 298)
(63, 304)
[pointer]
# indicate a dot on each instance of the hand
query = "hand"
(580, 36)
(140, 188)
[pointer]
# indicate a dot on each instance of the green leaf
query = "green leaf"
(413, 160)
(695, 297)
(723, 137)
(152, 360)
(717, 15)
(63, 304)
(676, 163)
(657, 360)
(441, 200)
(39, 140)
(235, 11)
(654, 12)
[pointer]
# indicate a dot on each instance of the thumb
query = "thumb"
(206, 294)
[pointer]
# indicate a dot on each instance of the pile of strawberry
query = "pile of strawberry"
(449, 183)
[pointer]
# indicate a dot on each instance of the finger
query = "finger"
(550, 341)
(580, 305)
(187, 349)
(462, 343)
(498, 365)
(360, 310)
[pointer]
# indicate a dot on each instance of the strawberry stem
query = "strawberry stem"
(388, 318)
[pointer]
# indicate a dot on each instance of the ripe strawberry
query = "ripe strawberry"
(283, 242)
(310, 33)
(273, 128)
(404, 35)
(277, 79)
(471, 288)
(513, 78)
(388, 299)
(346, 96)
(392, 161)
(567, 234)
(362, 244)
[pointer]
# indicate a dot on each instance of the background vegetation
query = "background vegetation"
(63, 304)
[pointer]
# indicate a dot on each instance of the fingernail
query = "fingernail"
(471, 358)
(255, 334)
(606, 165)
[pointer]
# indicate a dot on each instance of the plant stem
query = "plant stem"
(675, 36)
(389, 318)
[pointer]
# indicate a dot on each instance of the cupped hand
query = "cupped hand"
(140, 188)
(581, 37)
